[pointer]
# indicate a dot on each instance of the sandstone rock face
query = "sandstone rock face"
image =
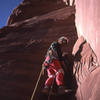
(31, 8)
(87, 22)
(23, 46)
(86, 70)
(87, 67)
(30, 29)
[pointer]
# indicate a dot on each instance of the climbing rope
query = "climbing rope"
(33, 94)
(42, 73)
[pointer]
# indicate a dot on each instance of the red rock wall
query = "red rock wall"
(86, 71)
(88, 22)
(33, 8)
(22, 50)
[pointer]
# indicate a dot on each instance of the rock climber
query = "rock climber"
(53, 64)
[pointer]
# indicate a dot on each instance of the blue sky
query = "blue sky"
(6, 7)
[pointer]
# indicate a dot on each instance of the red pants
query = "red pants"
(54, 72)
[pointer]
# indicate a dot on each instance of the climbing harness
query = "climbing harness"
(60, 71)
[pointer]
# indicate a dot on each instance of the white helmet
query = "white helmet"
(63, 40)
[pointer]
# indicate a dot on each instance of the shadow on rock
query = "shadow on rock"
(69, 78)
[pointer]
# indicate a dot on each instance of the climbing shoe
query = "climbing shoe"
(61, 90)
(46, 90)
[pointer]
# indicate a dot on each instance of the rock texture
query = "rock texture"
(22, 49)
(31, 28)
(87, 22)
(86, 70)
(31, 8)
(87, 67)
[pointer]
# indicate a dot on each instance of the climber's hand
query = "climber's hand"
(43, 68)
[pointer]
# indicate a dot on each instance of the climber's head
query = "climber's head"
(63, 40)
